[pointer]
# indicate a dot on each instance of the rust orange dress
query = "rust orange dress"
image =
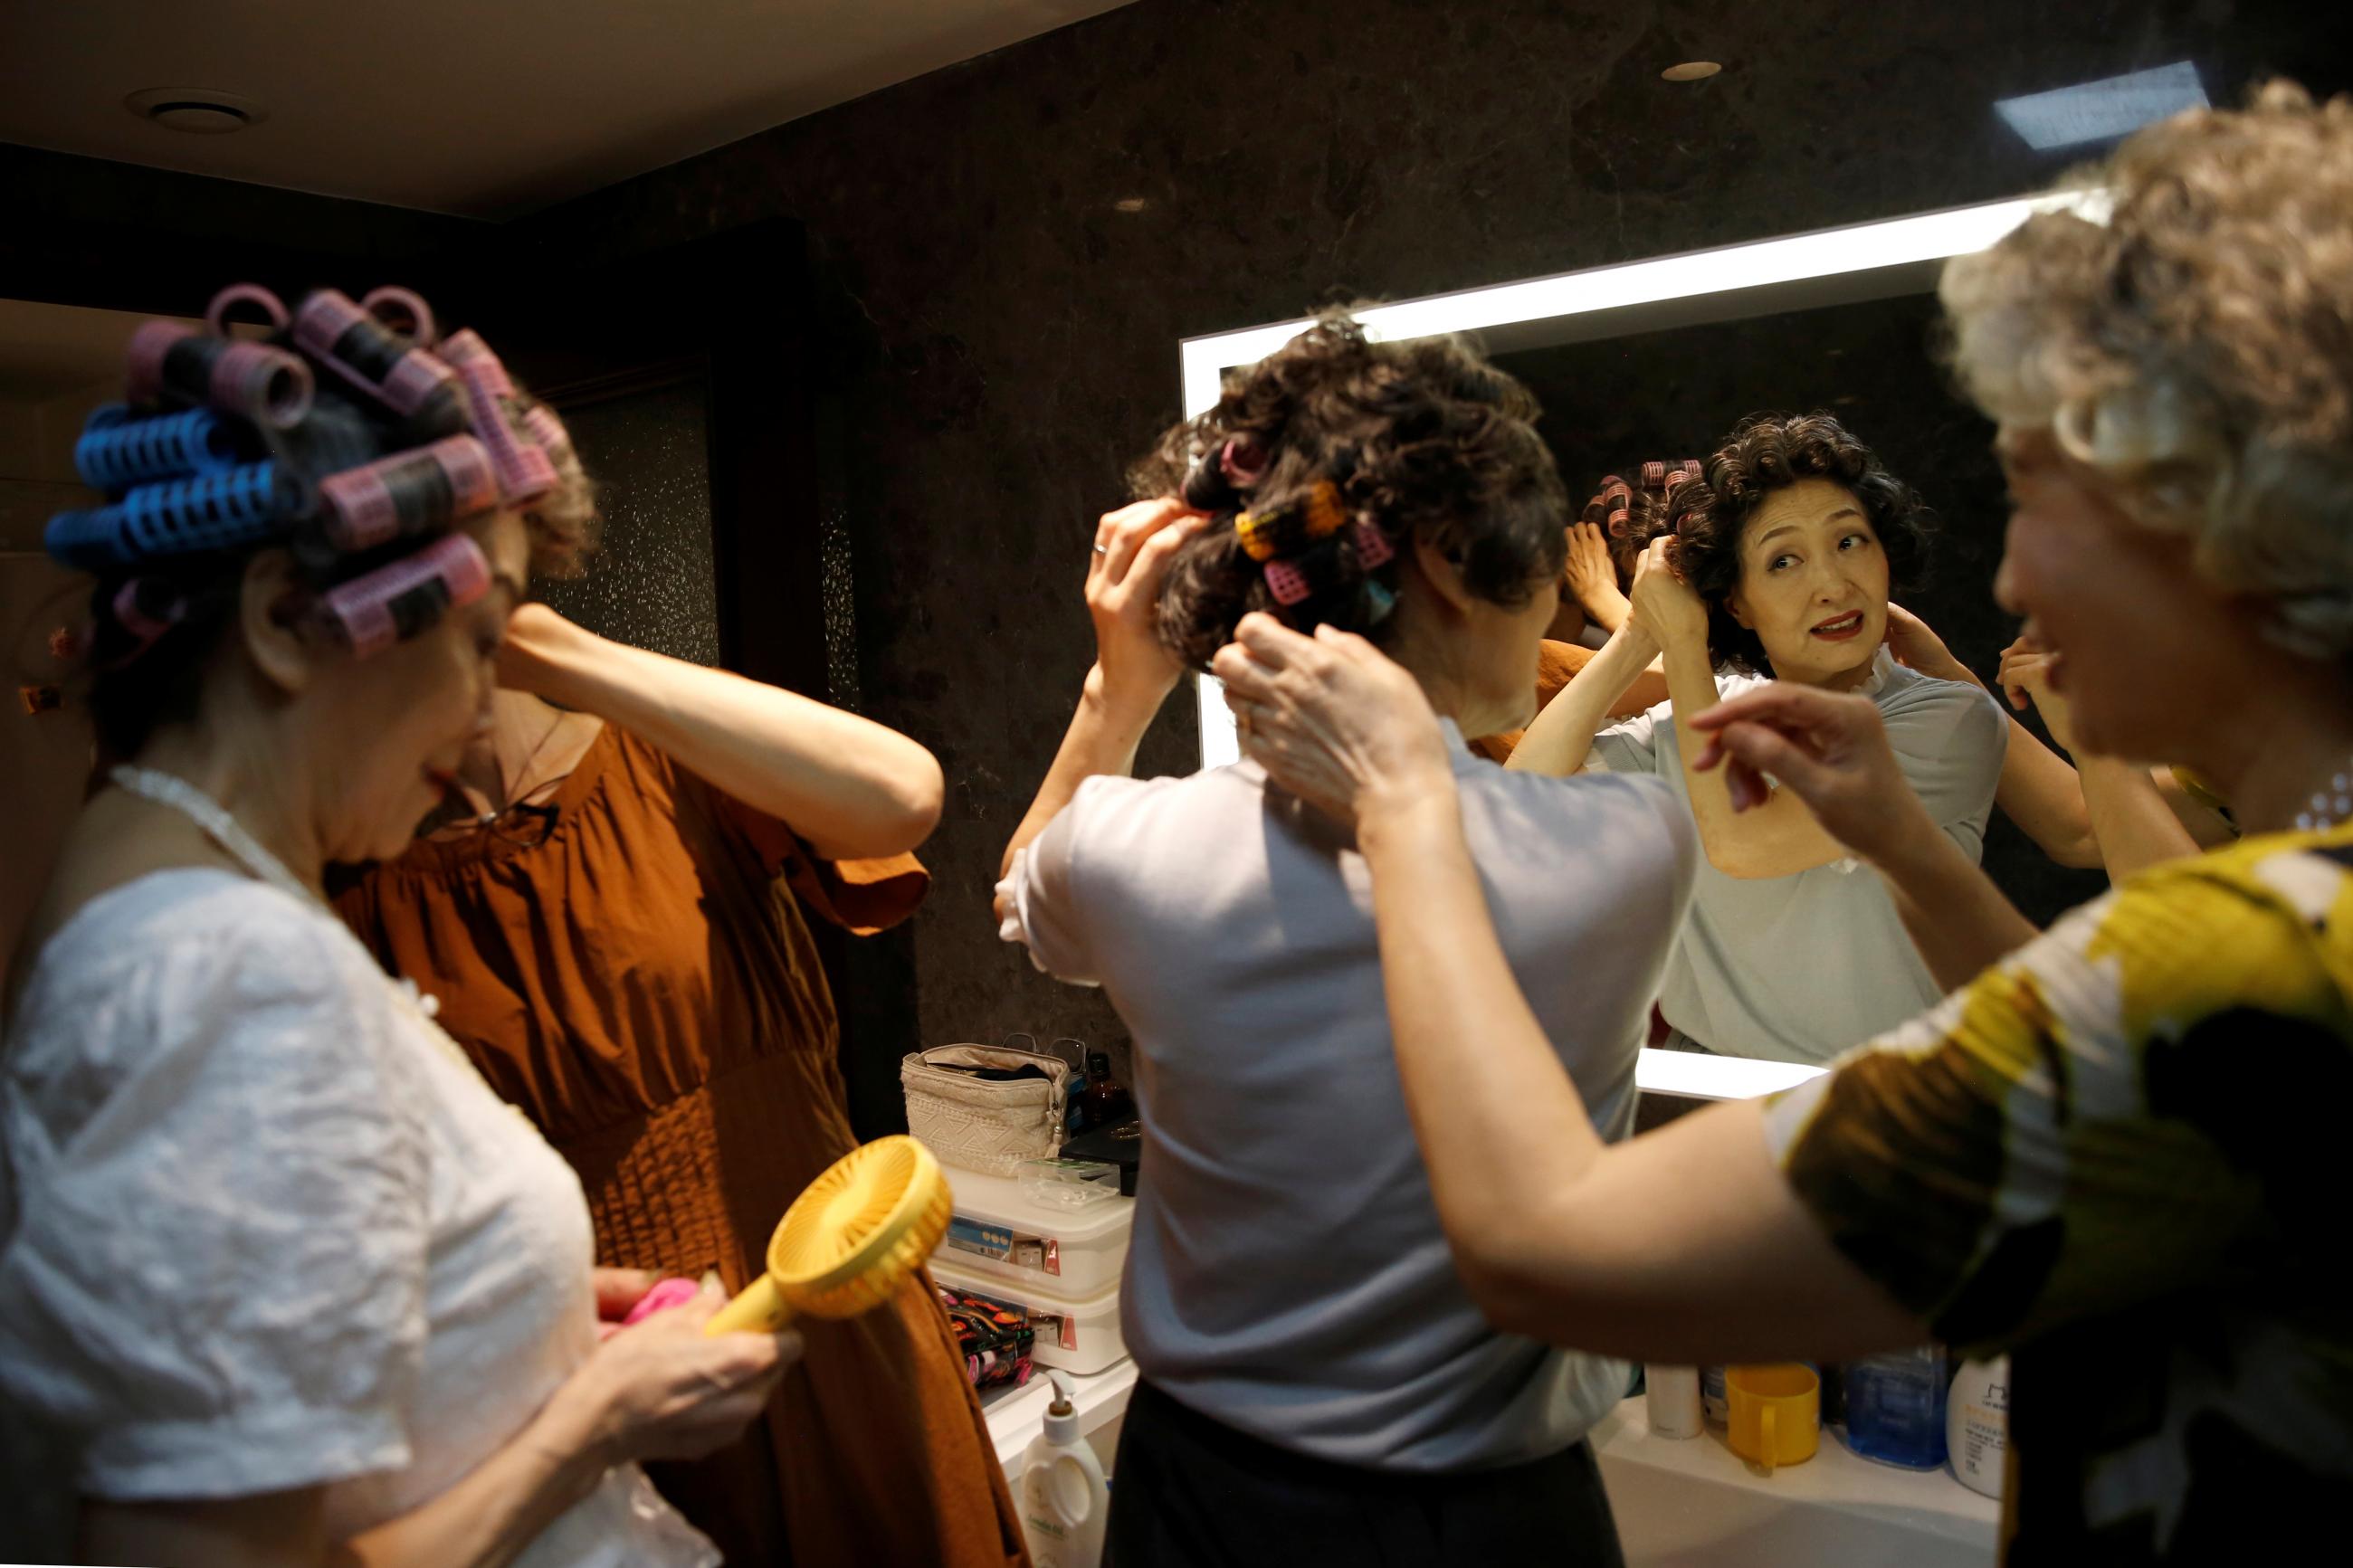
(1557, 664)
(644, 986)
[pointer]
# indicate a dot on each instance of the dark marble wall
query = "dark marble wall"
(1011, 249)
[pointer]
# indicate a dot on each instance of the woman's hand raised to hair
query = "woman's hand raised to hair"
(1832, 750)
(1591, 577)
(1916, 646)
(2025, 674)
(1668, 610)
(1332, 718)
(1133, 549)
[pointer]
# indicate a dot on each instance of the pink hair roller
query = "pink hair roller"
(524, 471)
(548, 430)
(254, 381)
(1285, 582)
(389, 368)
(395, 602)
(394, 306)
(408, 492)
(272, 308)
(1373, 547)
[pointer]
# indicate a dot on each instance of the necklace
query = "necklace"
(2328, 806)
(511, 793)
(214, 819)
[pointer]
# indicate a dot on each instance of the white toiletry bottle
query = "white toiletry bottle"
(1065, 1498)
(1976, 1425)
(1674, 1400)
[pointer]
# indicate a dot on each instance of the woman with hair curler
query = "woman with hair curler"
(286, 1283)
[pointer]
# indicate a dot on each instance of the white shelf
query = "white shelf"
(1015, 1419)
(1930, 1506)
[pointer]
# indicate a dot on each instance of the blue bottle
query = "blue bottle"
(1895, 1407)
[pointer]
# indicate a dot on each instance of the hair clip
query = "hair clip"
(144, 627)
(1378, 603)
(40, 700)
(65, 644)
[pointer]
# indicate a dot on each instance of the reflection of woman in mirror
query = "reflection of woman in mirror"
(1776, 559)
(2116, 1151)
(1313, 1369)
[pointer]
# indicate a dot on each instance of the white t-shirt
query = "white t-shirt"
(1288, 1275)
(260, 1229)
(1799, 968)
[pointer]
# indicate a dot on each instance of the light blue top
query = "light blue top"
(1288, 1275)
(1796, 969)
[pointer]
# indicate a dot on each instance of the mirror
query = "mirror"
(1660, 360)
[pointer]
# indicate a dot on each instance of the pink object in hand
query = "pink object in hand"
(666, 1294)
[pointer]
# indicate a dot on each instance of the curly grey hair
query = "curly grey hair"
(2196, 349)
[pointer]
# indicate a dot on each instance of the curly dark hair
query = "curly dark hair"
(1422, 440)
(1707, 506)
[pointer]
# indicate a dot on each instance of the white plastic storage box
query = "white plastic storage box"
(1079, 1335)
(1001, 1232)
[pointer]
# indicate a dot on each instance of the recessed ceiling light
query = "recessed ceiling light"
(1691, 71)
(1131, 204)
(197, 111)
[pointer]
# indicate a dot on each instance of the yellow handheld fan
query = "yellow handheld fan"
(849, 1239)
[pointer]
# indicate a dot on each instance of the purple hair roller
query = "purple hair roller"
(378, 360)
(266, 385)
(397, 601)
(524, 471)
(1373, 547)
(410, 492)
(1285, 582)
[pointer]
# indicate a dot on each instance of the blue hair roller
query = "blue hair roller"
(235, 508)
(117, 451)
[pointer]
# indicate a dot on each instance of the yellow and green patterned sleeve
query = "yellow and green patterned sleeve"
(2083, 1126)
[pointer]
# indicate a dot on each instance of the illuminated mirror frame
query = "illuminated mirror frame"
(1769, 277)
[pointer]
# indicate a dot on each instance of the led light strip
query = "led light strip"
(1915, 241)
